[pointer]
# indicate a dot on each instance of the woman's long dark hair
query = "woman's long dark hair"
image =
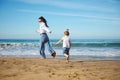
(43, 20)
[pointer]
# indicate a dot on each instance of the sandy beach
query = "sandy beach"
(56, 69)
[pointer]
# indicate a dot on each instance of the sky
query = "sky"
(86, 19)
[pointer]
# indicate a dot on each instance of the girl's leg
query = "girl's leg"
(66, 53)
(67, 57)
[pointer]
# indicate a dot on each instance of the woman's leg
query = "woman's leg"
(42, 46)
(49, 47)
(53, 53)
(42, 50)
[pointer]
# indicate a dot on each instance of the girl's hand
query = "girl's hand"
(56, 44)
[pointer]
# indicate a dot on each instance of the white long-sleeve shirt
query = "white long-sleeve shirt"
(43, 28)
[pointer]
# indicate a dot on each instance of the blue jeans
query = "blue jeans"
(44, 40)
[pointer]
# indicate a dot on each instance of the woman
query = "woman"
(44, 37)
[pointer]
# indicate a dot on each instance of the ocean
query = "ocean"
(82, 49)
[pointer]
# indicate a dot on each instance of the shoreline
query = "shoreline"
(57, 69)
(72, 57)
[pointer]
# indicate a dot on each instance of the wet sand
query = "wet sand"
(56, 69)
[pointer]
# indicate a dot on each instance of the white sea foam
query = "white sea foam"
(97, 49)
(107, 52)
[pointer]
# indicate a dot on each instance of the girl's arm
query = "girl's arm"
(59, 42)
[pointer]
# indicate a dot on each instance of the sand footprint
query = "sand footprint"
(51, 74)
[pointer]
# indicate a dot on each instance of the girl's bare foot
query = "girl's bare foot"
(67, 61)
(67, 58)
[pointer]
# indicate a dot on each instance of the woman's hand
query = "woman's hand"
(37, 30)
(50, 32)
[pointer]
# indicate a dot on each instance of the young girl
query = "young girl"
(44, 39)
(66, 44)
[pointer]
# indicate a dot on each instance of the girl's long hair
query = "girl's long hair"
(43, 20)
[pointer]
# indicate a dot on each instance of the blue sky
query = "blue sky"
(89, 19)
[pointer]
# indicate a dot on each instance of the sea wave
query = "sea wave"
(96, 44)
(100, 48)
(95, 52)
(4, 45)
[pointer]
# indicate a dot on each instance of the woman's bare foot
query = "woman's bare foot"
(42, 58)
